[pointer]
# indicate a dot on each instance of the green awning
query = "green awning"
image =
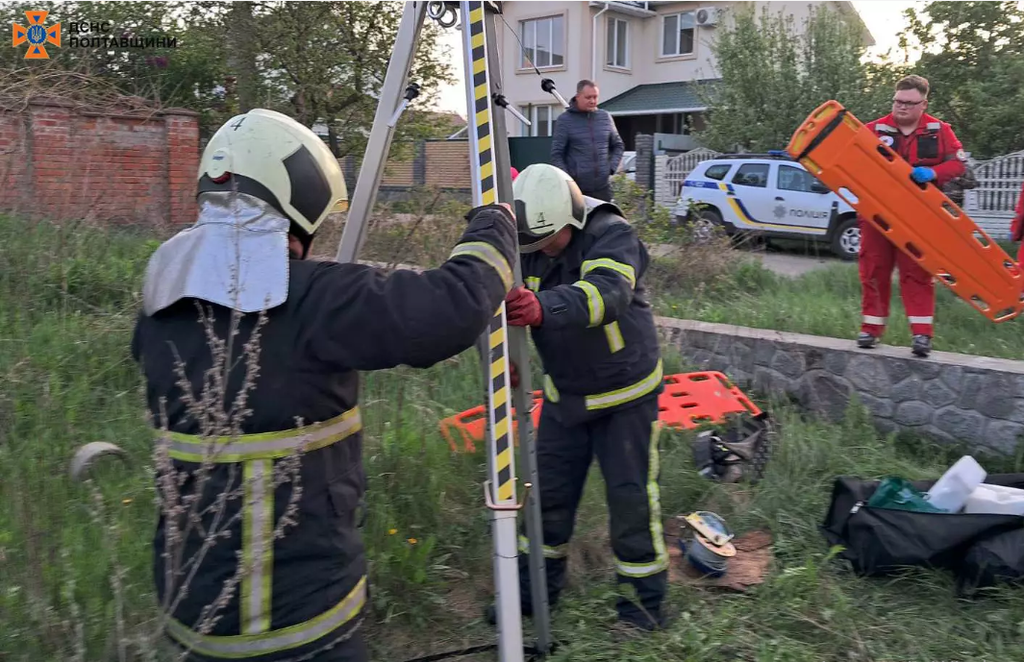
(658, 98)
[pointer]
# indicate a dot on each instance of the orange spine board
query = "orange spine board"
(918, 219)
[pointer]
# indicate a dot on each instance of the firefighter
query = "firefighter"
(266, 184)
(585, 304)
(938, 157)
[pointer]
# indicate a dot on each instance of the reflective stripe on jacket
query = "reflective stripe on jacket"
(288, 573)
(597, 341)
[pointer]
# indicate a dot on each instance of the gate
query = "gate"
(527, 150)
(991, 203)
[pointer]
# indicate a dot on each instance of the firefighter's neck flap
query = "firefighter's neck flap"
(262, 176)
(236, 255)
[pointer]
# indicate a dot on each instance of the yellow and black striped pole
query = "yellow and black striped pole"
(500, 489)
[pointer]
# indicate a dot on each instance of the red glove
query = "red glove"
(513, 375)
(522, 308)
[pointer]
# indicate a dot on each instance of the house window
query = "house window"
(617, 46)
(543, 42)
(542, 120)
(678, 32)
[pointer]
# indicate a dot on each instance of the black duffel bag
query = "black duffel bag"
(884, 541)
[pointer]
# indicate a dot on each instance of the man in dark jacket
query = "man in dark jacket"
(586, 143)
(273, 468)
(586, 306)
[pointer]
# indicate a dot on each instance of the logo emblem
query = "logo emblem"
(886, 140)
(779, 211)
(36, 34)
(961, 154)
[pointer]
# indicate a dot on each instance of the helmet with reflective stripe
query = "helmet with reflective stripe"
(547, 200)
(272, 157)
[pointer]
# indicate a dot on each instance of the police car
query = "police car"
(770, 195)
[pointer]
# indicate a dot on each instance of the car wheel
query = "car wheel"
(705, 226)
(846, 239)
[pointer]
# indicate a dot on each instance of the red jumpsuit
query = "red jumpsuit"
(1017, 226)
(934, 145)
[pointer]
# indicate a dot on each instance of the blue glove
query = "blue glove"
(922, 175)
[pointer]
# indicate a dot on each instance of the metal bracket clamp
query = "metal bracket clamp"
(489, 500)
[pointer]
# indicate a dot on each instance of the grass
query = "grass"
(826, 302)
(68, 296)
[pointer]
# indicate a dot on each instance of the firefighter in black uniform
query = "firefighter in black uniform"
(266, 184)
(584, 300)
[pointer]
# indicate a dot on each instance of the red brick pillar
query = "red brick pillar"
(182, 130)
(51, 188)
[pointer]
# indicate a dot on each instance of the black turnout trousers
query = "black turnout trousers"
(625, 442)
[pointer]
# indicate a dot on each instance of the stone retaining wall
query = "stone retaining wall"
(950, 397)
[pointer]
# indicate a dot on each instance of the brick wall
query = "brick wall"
(447, 164)
(440, 163)
(68, 163)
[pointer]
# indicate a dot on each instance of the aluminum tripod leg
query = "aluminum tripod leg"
(379, 143)
(522, 398)
(500, 489)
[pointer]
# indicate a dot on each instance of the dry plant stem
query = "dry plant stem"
(412, 230)
(99, 516)
(209, 411)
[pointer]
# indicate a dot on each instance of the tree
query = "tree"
(326, 62)
(183, 74)
(319, 62)
(772, 77)
(973, 58)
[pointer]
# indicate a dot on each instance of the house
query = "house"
(648, 59)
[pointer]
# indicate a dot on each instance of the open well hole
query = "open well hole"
(950, 209)
(947, 277)
(881, 222)
(981, 239)
(979, 302)
(1011, 266)
(886, 152)
(913, 250)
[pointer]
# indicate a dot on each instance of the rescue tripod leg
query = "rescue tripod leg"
(489, 158)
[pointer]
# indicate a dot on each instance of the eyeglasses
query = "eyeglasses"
(906, 104)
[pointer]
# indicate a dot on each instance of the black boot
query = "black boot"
(866, 341)
(922, 346)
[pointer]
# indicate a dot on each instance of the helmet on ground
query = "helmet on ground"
(547, 200)
(272, 157)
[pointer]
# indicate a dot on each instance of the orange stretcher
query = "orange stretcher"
(689, 400)
(917, 218)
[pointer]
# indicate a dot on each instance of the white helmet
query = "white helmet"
(270, 156)
(546, 199)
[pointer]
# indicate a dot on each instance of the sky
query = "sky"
(884, 18)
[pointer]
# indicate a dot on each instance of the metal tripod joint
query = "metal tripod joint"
(548, 86)
(500, 100)
(411, 92)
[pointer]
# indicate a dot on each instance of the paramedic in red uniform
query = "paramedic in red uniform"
(937, 156)
(1017, 225)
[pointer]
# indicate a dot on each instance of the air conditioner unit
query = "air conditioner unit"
(707, 16)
